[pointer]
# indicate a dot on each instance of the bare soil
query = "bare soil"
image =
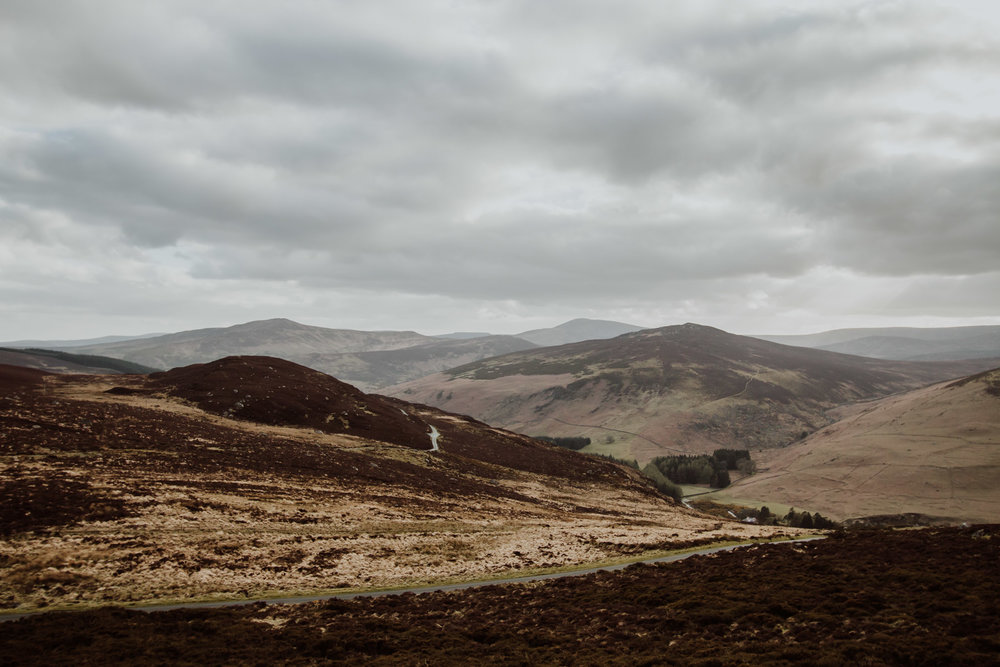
(913, 597)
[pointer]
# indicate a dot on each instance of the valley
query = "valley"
(249, 479)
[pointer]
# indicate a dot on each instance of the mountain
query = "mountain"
(369, 359)
(685, 388)
(577, 330)
(249, 476)
(904, 343)
(932, 452)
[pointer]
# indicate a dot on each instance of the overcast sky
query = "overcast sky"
(763, 167)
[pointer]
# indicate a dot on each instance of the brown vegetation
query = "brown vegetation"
(926, 597)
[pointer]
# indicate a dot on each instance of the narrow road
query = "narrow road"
(430, 589)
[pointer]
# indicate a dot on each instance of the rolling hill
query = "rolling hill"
(929, 454)
(248, 476)
(686, 388)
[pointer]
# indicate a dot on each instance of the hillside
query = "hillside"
(58, 361)
(904, 343)
(368, 359)
(248, 476)
(685, 388)
(934, 452)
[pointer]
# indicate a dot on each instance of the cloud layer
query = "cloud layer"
(497, 165)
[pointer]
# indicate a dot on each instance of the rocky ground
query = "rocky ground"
(252, 477)
(910, 597)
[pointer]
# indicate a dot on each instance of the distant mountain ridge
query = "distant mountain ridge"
(903, 343)
(61, 344)
(370, 360)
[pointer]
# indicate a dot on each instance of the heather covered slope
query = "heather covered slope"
(933, 452)
(175, 486)
(686, 388)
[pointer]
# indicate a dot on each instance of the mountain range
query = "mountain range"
(368, 359)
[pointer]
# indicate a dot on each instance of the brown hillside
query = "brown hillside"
(281, 393)
(933, 452)
(686, 388)
(172, 486)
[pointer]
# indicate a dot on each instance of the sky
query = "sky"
(437, 166)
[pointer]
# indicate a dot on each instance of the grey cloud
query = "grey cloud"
(529, 152)
(893, 220)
